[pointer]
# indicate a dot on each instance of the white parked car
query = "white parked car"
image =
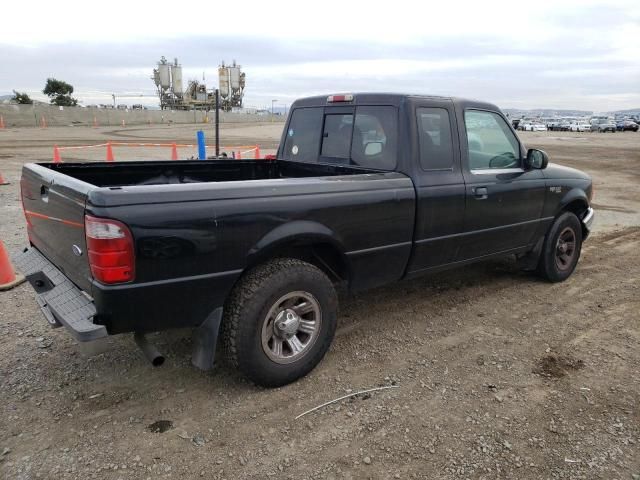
(534, 127)
(579, 127)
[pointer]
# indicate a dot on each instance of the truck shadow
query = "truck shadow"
(428, 293)
(362, 315)
(118, 381)
(366, 311)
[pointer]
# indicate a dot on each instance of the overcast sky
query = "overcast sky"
(562, 54)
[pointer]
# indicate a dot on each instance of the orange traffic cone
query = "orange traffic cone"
(1, 122)
(8, 276)
(109, 153)
(239, 155)
(95, 122)
(174, 152)
(257, 153)
(56, 154)
(123, 123)
(43, 122)
(2, 180)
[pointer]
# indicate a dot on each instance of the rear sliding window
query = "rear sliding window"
(367, 138)
(336, 136)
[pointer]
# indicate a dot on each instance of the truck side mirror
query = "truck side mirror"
(537, 159)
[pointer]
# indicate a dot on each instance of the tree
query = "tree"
(21, 98)
(60, 93)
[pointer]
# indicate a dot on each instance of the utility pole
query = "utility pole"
(217, 123)
(272, 105)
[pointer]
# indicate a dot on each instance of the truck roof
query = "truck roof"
(368, 98)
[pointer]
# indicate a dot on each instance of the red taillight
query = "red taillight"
(339, 98)
(110, 249)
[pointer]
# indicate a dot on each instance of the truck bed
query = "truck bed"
(162, 172)
(198, 224)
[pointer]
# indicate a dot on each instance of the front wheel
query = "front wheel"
(279, 321)
(561, 248)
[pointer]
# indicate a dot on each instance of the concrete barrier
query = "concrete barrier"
(32, 115)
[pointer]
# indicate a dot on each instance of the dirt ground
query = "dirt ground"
(499, 375)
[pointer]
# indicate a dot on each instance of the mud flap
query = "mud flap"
(205, 338)
(529, 261)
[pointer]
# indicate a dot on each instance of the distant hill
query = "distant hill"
(545, 112)
(629, 111)
(550, 112)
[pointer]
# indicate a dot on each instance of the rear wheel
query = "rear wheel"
(279, 321)
(561, 248)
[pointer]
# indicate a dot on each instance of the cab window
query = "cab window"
(303, 135)
(434, 135)
(375, 138)
(366, 136)
(491, 143)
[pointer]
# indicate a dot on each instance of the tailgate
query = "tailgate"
(54, 206)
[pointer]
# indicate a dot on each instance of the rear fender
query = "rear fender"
(296, 233)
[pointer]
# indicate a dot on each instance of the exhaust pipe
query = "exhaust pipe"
(151, 352)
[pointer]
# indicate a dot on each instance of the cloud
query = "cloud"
(577, 52)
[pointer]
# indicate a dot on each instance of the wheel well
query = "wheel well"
(324, 255)
(578, 207)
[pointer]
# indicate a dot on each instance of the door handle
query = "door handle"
(480, 193)
(44, 193)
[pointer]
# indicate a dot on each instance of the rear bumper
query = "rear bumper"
(115, 309)
(61, 302)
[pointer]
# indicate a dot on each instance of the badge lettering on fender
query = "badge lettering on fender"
(555, 189)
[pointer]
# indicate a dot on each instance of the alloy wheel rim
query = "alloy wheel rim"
(291, 327)
(565, 249)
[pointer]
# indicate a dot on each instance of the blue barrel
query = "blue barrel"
(202, 149)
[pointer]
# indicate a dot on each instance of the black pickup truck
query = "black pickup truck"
(365, 190)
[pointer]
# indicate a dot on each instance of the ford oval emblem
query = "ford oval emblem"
(77, 251)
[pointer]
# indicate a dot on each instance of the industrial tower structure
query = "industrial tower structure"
(168, 80)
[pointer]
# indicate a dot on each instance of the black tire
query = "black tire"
(254, 298)
(555, 264)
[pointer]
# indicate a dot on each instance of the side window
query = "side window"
(434, 134)
(336, 136)
(303, 135)
(490, 141)
(375, 137)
